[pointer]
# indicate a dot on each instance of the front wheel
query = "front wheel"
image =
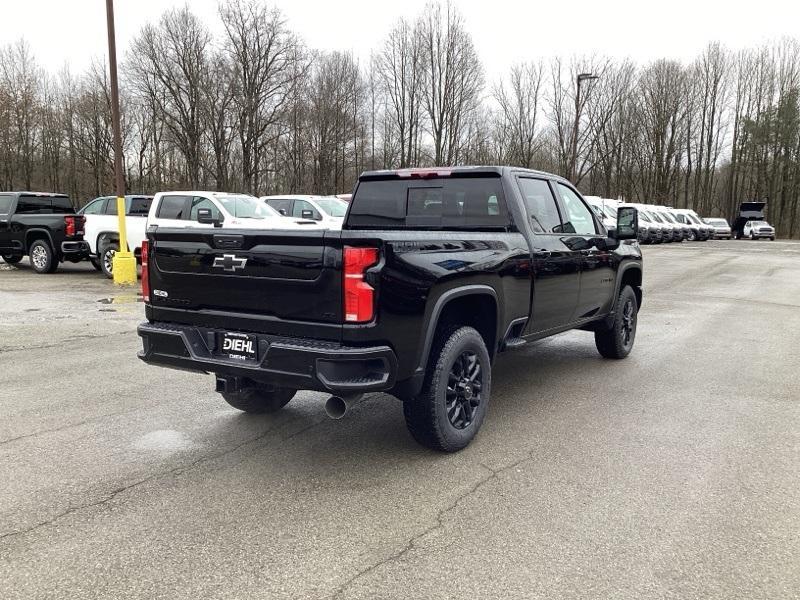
(95, 263)
(450, 408)
(692, 236)
(11, 260)
(260, 399)
(617, 340)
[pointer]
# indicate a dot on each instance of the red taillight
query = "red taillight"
(359, 306)
(145, 271)
(74, 225)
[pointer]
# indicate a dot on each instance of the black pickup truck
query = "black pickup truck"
(43, 227)
(434, 273)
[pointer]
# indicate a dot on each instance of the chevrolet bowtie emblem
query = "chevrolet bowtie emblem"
(229, 262)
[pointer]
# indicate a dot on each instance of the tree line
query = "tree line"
(256, 110)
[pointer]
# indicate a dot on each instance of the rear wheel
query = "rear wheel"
(450, 408)
(12, 260)
(107, 258)
(617, 340)
(43, 259)
(260, 399)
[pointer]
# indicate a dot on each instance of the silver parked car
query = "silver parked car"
(722, 229)
(759, 229)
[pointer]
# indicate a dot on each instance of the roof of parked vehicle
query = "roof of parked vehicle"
(430, 172)
(42, 194)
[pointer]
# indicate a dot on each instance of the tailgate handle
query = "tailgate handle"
(228, 242)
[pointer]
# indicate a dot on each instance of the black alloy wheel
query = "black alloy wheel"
(464, 385)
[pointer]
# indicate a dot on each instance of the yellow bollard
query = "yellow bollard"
(124, 263)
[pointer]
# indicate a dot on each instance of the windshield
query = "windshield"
(246, 207)
(611, 212)
(717, 222)
(656, 217)
(758, 223)
(694, 219)
(333, 206)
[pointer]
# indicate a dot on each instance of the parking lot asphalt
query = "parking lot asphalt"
(672, 474)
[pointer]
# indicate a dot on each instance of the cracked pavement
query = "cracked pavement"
(672, 474)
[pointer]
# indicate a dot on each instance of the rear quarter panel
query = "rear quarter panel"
(419, 267)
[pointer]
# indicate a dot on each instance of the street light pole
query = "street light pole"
(574, 150)
(124, 264)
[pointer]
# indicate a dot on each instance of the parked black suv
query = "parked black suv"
(41, 226)
(434, 273)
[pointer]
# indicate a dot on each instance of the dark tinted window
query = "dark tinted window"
(34, 205)
(172, 207)
(541, 205)
(441, 203)
(5, 204)
(140, 206)
(62, 206)
(282, 205)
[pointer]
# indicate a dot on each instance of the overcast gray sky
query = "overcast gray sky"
(505, 31)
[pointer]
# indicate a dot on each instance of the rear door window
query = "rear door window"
(541, 205)
(450, 203)
(173, 207)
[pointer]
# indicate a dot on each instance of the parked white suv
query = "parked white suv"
(182, 209)
(101, 229)
(328, 211)
(759, 229)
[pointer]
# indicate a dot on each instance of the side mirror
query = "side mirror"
(627, 224)
(307, 214)
(206, 217)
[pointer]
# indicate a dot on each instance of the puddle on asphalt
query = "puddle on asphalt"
(163, 440)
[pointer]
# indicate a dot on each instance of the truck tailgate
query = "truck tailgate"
(266, 276)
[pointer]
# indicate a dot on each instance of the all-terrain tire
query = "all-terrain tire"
(617, 341)
(11, 260)
(449, 410)
(42, 257)
(260, 399)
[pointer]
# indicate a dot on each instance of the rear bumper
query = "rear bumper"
(287, 362)
(75, 250)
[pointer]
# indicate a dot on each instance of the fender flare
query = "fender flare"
(438, 307)
(31, 233)
(624, 268)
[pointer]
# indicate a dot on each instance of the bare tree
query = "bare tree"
(453, 79)
(518, 100)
